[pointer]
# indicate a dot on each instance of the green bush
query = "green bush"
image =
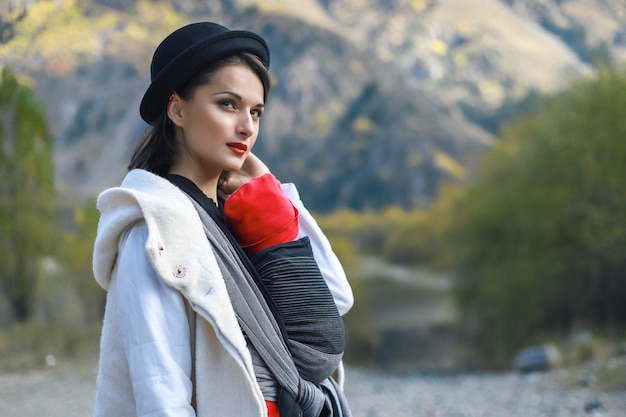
(411, 242)
(538, 239)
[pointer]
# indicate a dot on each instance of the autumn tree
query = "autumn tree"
(76, 255)
(26, 192)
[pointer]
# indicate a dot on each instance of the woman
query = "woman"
(172, 342)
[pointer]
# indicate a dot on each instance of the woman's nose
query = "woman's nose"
(247, 125)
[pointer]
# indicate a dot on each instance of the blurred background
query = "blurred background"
(467, 159)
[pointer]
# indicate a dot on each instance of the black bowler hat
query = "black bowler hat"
(189, 50)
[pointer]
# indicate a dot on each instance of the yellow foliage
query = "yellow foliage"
(57, 34)
(79, 216)
(71, 35)
(60, 35)
(460, 59)
(465, 27)
(441, 217)
(341, 220)
(158, 15)
(106, 22)
(439, 47)
(323, 121)
(151, 22)
(419, 5)
(363, 125)
(39, 15)
(27, 27)
(393, 213)
(343, 249)
(393, 234)
(449, 164)
(491, 91)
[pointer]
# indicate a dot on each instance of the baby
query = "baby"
(265, 224)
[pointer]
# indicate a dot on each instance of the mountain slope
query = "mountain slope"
(365, 109)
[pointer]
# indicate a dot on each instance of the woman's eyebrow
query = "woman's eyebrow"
(235, 95)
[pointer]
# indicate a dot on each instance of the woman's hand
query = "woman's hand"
(231, 180)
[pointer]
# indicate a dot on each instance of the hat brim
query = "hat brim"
(196, 58)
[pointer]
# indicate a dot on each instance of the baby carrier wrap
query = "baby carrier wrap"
(267, 294)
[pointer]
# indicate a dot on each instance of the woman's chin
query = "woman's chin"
(234, 166)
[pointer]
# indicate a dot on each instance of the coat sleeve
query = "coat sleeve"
(155, 333)
(326, 259)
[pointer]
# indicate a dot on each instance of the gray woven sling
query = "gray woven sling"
(261, 322)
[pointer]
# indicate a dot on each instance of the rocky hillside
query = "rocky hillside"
(370, 100)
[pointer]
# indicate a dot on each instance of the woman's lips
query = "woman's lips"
(238, 148)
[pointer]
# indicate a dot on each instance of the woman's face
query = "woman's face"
(218, 126)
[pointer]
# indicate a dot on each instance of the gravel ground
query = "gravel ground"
(67, 390)
(64, 390)
(480, 395)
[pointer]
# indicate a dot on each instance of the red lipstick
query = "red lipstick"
(238, 148)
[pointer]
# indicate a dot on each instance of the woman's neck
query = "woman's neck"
(206, 183)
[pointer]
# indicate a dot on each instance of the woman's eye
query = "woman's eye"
(256, 113)
(228, 103)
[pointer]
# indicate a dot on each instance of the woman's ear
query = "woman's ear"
(175, 109)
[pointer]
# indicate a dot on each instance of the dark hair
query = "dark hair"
(156, 148)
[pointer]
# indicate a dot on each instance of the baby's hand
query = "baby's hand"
(231, 180)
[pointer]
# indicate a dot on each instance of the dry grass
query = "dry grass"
(599, 361)
(34, 345)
